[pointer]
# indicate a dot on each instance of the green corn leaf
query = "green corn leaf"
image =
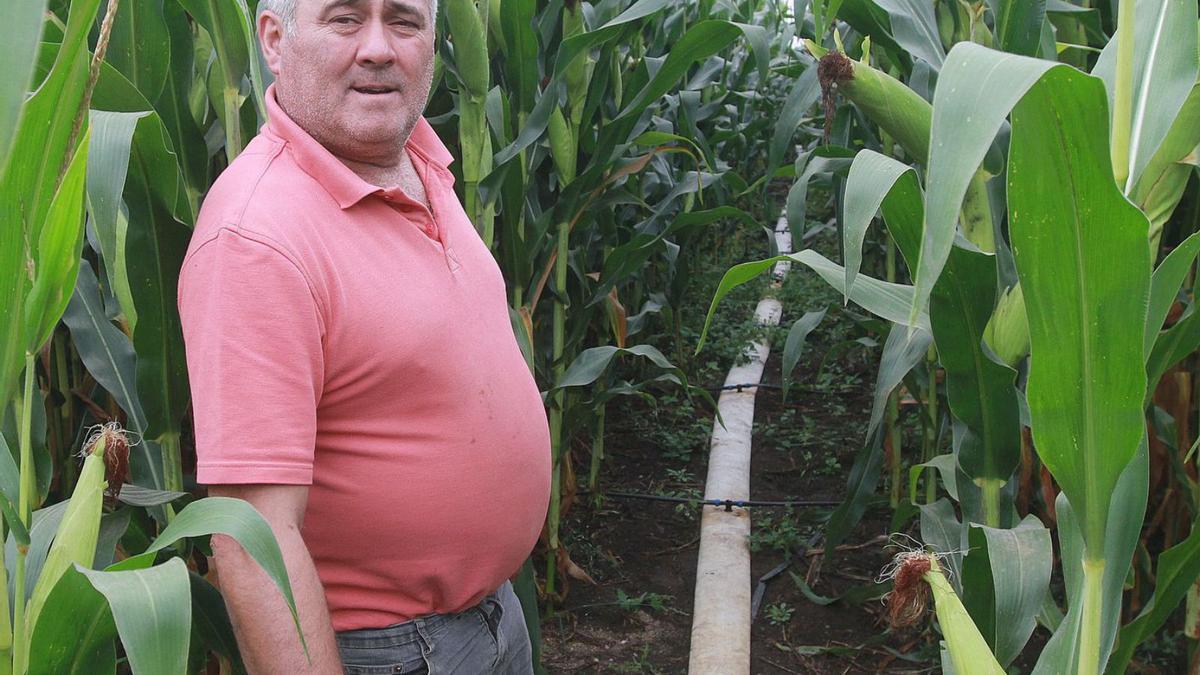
(794, 344)
(108, 355)
(700, 41)
(1164, 72)
(75, 634)
(1018, 26)
(1177, 569)
(1165, 177)
(27, 187)
(980, 390)
(1082, 258)
(941, 530)
(56, 258)
(1006, 575)
(591, 364)
(871, 180)
(238, 519)
(914, 28)
(1164, 287)
(821, 162)
(881, 298)
(139, 40)
(19, 34)
(800, 100)
(152, 609)
(1125, 519)
(10, 481)
(108, 166)
(902, 351)
(976, 90)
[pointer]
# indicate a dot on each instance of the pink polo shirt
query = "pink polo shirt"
(345, 337)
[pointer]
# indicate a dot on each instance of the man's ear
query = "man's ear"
(270, 34)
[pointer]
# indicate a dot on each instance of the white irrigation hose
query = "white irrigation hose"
(721, 612)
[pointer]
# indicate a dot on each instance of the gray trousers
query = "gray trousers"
(487, 639)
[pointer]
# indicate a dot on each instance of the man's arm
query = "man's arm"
(261, 620)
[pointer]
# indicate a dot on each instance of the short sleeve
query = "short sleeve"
(252, 332)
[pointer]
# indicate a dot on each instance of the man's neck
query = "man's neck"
(399, 172)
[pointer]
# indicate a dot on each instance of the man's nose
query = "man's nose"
(375, 47)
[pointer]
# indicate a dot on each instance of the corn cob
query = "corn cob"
(75, 540)
(562, 146)
(466, 22)
(1007, 332)
(915, 574)
(908, 119)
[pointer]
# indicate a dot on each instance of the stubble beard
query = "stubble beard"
(320, 117)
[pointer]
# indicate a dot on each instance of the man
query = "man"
(354, 373)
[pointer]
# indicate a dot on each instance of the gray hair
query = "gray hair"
(286, 11)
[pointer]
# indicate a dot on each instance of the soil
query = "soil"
(641, 547)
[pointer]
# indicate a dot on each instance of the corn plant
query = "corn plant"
(1077, 201)
(59, 557)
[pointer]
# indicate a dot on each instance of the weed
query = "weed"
(780, 613)
(778, 533)
(646, 600)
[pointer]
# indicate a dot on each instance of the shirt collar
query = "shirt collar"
(346, 187)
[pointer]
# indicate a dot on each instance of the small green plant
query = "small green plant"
(639, 663)
(646, 600)
(780, 613)
(778, 533)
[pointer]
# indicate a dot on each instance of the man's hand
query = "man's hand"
(261, 620)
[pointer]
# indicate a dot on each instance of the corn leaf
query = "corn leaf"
(56, 259)
(1082, 258)
(108, 355)
(881, 298)
(137, 45)
(980, 390)
(1164, 287)
(1177, 569)
(19, 33)
(1018, 26)
(1164, 73)
(591, 364)
(75, 633)
(172, 105)
(976, 90)
(870, 181)
(902, 351)
(800, 100)
(30, 182)
(820, 162)
(1125, 520)
(915, 29)
(152, 609)
(1006, 575)
(794, 344)
(238, 519)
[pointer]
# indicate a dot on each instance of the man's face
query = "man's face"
(354, 74)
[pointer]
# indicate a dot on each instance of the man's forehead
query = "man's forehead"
(419, 7)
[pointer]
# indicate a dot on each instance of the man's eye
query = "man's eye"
(343, 20)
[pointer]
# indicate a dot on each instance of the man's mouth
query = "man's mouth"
(374, 89)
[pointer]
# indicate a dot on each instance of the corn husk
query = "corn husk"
(1007, 332)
